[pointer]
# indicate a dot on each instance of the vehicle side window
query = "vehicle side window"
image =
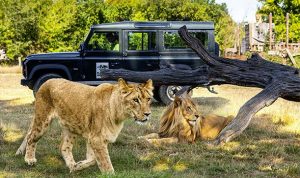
(105, 41)
(172, 40)
(141, 41)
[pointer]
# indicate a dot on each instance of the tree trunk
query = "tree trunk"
(276, 79)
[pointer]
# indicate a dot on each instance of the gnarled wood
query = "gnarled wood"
(265, 98)
(277, 81)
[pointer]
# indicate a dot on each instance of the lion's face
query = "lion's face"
(137, 99)
(181, 114)
(188, 109)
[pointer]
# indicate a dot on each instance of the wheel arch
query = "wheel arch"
(42, 69)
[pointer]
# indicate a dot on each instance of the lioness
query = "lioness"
(182, 122)
(96, 113)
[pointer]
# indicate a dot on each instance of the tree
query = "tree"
(279, 9)
(19, 26)
(30, 26)
(56, 26)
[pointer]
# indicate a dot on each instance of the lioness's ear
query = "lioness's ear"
(122, 83)
(149, 85)
(123, 86)
(177, 101)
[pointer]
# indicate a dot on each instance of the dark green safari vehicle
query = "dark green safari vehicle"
(138, 46)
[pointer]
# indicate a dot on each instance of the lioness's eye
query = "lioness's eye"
(135, 100)
(189, 108)
(148, 99)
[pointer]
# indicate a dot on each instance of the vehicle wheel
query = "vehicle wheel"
(167, 93)
(156, 94)
(42, 79)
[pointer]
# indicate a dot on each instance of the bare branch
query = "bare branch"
(247, 111)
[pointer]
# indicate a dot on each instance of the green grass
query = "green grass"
(270, 147)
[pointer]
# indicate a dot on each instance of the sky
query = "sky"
(241, 10)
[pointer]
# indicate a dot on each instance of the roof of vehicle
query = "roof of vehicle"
(156, 25)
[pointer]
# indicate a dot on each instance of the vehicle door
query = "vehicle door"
(102, 51)
(175, 51)
(140, 50)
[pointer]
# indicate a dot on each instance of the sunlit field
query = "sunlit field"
(269, 147)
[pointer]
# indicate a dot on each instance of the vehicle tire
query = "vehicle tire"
(42, 79)
(156, 94)
(167, 93)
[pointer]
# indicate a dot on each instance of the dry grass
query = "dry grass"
(270, 147)
(10, 69)
(230, 98)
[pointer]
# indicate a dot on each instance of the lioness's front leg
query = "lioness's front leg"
(99, 146)
(90, 160)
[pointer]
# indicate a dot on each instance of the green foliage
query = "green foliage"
(30, 26)
(279, 9)
(225, 32)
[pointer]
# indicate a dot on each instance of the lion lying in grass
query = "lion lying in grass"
(95, 113)
(182, 122)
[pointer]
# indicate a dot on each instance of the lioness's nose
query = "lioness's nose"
(147, 113)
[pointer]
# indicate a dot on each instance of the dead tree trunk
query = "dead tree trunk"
(276, 79)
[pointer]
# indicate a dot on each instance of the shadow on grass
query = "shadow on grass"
(211, 103)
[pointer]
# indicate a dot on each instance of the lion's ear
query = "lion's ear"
(177, 101)
(149, 85)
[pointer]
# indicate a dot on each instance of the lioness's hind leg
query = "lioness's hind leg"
(90, 160)
(39, 125)
(22, 148)
(66, 148)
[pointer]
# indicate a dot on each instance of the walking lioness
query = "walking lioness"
(96, 113)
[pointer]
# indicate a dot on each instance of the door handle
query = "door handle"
(115, 63)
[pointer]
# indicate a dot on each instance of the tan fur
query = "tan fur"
(95, 113)
(182, 122)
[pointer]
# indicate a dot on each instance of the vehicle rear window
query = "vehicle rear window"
(141, 41)
(172, 40)
(106, 41)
